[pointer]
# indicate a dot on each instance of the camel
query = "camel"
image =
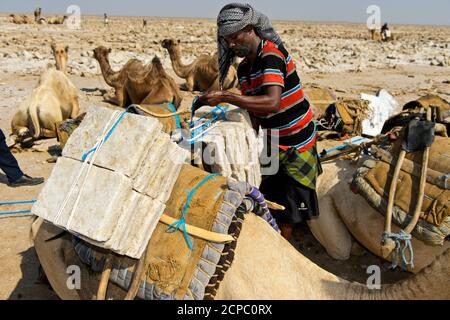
(153, 87)
(53, 100)
(57, 20)
(375, 35)
(21, 19)
(60, 53)
(203, 73)
(265, 266)
(345, 215)
(134, 83)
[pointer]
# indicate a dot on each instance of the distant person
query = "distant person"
(37, 14)
(385, 32)
(144, 23)
(105, 20)
(9, 165)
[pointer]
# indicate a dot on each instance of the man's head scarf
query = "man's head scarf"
(233, 18)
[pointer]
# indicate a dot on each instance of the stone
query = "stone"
(116, 201)
(232, 146)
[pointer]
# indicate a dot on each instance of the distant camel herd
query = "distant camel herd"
(55, 98)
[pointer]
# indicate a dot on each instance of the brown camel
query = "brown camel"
(153, 87)
(60, 52)
(265, 266)
(203, 73)
(375, 35)
(117, 79)
(136, 82)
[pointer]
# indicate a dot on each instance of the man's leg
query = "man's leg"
(8, 164)
(286, 230)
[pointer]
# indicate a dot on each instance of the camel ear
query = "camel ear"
(66, 48)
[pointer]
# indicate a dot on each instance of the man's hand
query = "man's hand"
(213, 98)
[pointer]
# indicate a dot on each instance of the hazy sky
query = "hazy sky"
(394, 11)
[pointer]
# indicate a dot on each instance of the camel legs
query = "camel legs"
(75, 108)
(190, 83)
(46, 133)
(118, 99)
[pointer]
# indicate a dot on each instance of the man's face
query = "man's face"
(239, 43)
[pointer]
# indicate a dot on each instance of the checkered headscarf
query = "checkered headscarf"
(233, 18)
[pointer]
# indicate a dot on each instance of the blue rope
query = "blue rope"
(399, 251)
(173, 109)
(345, 146)
(181, 224)
(200, 132)
(106, 138)
(17, 202)
(14, 212)
(222, 110)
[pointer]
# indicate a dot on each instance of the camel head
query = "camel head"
(101, 52)
(60, 52)
(169, 43)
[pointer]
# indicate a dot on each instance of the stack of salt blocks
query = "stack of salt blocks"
(125, 193)
(234, 145)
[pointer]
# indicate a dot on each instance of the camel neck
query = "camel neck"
(178, 67)
(266, 266)
(107, 71)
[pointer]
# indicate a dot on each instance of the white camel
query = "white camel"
(265, 266)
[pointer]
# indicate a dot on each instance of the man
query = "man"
(37, 14)
(272, 94)
(105, 20)
(9, 165)
(385, 32)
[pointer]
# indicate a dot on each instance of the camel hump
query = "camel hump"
(156, 60)
(136, 79)
(157, 65)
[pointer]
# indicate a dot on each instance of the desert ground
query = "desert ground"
(337, 56)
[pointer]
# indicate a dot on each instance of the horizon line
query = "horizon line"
(210, 18)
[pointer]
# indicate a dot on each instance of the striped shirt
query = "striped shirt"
(292, 123)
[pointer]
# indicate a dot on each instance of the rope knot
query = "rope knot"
(400, 253)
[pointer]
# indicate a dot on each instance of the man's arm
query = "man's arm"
(269, 102)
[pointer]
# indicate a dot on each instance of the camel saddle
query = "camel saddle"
(174, 271)
(346, 116)
(373, 181)
(428, 101)
(320, 98)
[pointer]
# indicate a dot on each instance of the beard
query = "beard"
(242, 51)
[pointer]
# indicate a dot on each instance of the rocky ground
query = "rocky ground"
(337, 56)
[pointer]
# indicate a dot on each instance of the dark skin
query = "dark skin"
(245, 44)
